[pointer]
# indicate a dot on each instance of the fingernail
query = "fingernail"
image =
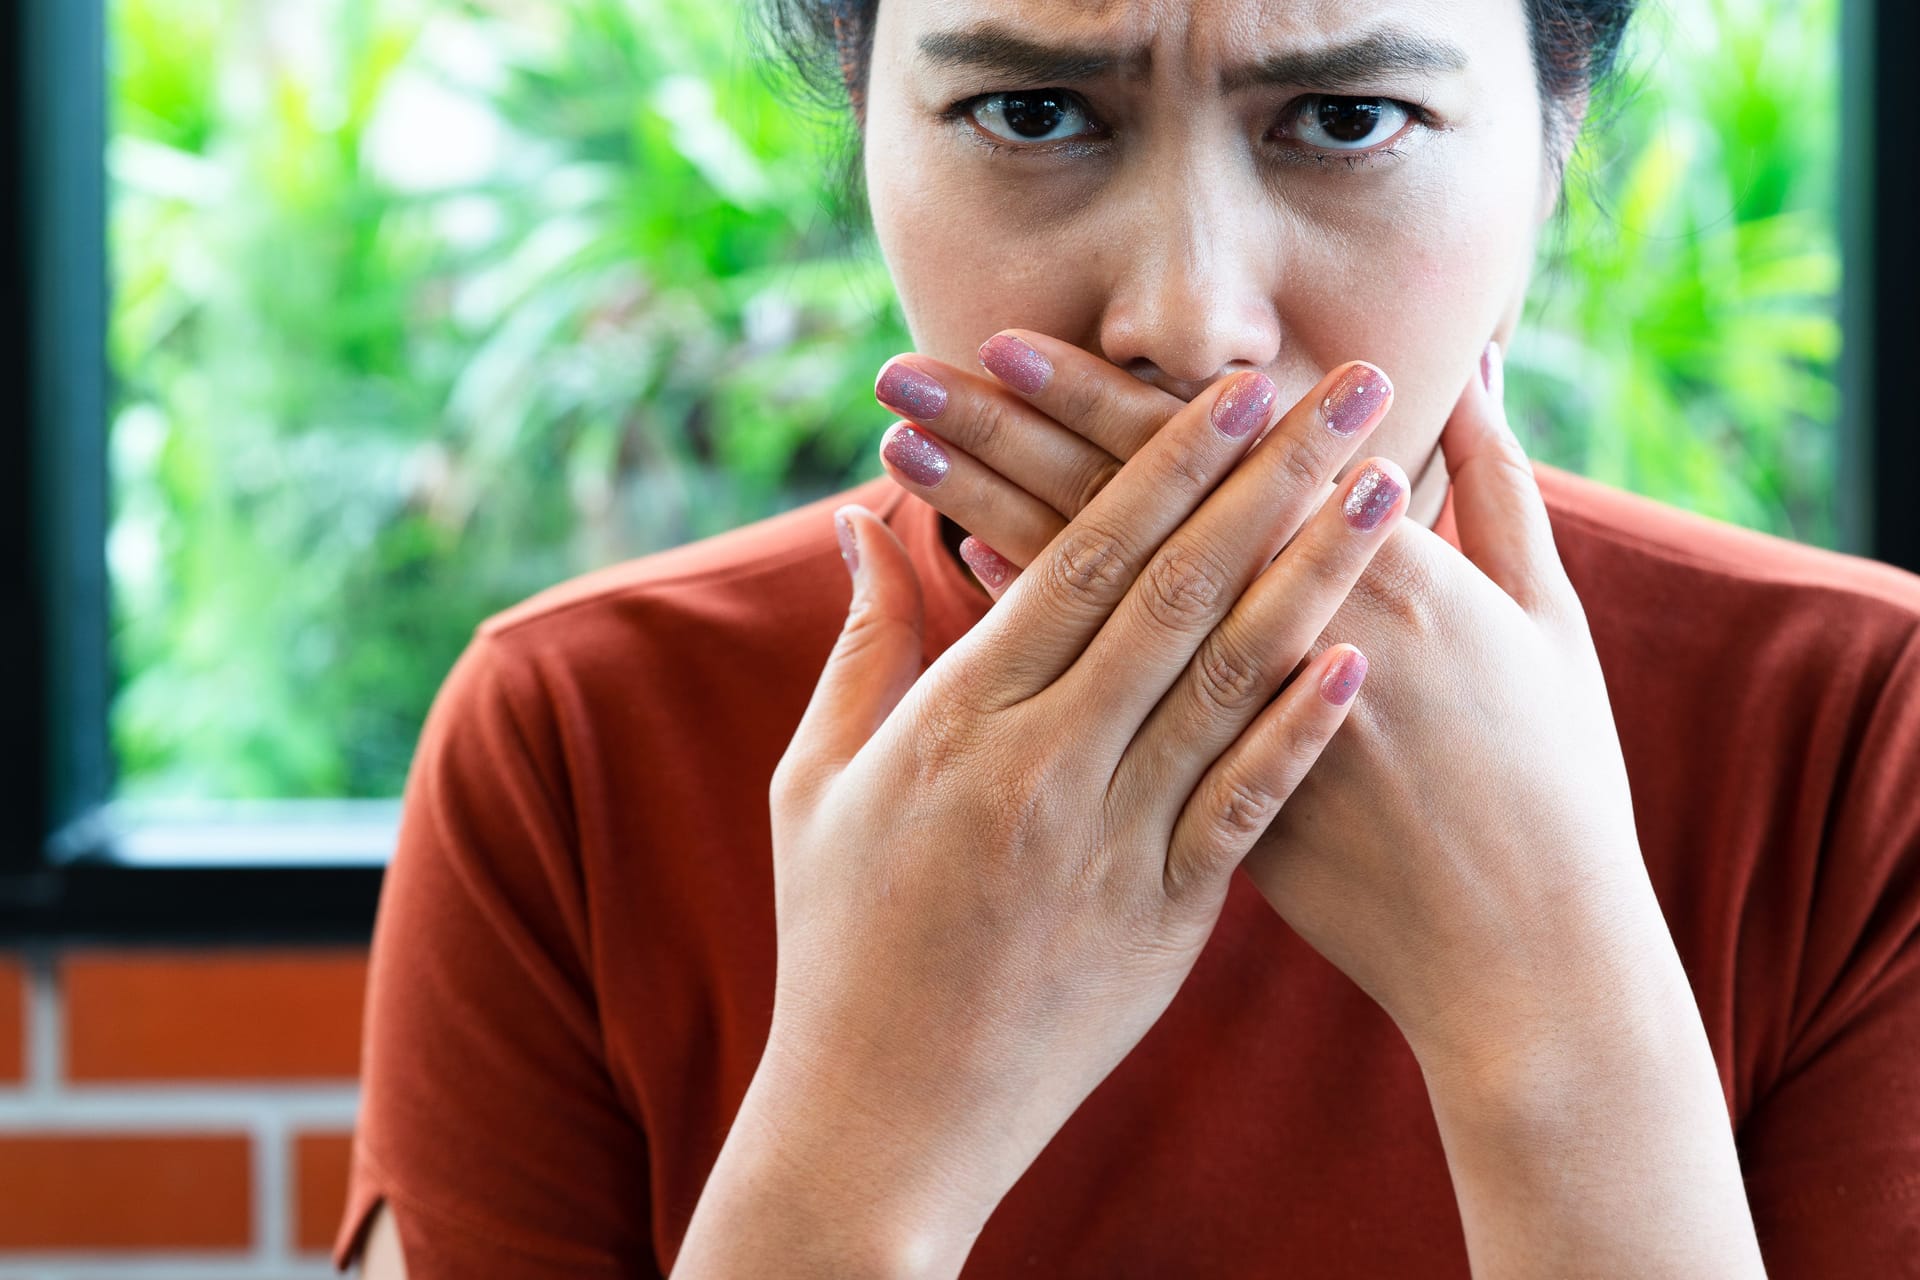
(916, 455)
(909, 392)
(1493, 373)
(1015, 363)
(1343, 679)
(1373, 494)
(849, 545)
(1246, 403)
(989, 565)
(1361, 392)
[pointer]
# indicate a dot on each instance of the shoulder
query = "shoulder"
(685, 660)
(1641, 563)
(762, 578)
(1655, 538)
(1738, 662)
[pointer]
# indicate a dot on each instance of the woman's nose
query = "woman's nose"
(1192, 293)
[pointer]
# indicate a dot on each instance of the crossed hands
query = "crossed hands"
(993, 875)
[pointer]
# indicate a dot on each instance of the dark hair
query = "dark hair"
(827, 47)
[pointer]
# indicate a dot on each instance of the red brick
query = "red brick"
(13, 1012)
(320, 1163)
(217, 1015)
(150, 1191)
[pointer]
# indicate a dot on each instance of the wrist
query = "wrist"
(1598, 1143)
(821, 1182)
(1627, 1021)
(1583, 991)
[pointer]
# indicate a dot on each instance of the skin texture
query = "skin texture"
(1525, 956)
(1464, 851)
(976, 924)
(979, 918)
(1192, 245)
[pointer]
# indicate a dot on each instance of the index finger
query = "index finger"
(1070, 590)
(1099, 401)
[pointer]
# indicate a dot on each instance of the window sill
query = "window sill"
(296, 871)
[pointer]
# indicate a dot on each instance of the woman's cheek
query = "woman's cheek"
(965, 265)
(1417, 290)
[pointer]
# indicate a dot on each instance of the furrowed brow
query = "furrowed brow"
(1349, 66)
(1002, 54)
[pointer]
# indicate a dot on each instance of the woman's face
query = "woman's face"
(1192, 187)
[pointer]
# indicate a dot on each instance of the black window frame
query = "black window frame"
(61, 876)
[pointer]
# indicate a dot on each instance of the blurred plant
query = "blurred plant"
(1683, 332)
(423, 305)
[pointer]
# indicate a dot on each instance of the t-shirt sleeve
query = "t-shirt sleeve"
(1832, 1152)
(489, 1119)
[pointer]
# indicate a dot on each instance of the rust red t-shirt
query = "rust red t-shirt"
(573, 965)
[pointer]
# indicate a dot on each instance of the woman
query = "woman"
(1581, 839)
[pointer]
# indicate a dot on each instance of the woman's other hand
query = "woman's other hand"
(1466, 851)
(991, 879)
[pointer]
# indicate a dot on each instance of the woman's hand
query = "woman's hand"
(1466, 851)
(992, 878)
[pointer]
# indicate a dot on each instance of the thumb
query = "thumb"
(1498, 512)
(878, 655)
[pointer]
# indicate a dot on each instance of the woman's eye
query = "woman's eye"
(1037, 115)
(1347, 124)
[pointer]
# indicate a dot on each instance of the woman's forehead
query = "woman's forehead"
(1134, 31)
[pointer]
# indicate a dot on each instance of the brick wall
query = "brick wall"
(170, 1115)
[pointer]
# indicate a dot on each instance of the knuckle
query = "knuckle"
(1301, 465)
(1090, 564)
(1224, 679)
(867, 627)
(946, 734)
(985, 427)
(1326, 573)
(1184, 469)
(1241, 811)
(1080, 398)
(1518, 471)
(1286, 755)
(1184, 586)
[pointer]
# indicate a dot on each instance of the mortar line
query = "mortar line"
(45, 1029)
(177, 1266)
(202, 1108)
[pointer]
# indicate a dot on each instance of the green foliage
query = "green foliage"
(422, 305)
(1683, 332)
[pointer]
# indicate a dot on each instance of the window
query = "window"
(342, 325)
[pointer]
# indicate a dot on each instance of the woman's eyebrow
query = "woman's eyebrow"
(1002, 53)
(1352, 65)
(999, 52)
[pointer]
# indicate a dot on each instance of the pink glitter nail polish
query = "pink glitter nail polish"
(909, 392)
(1343, 679)
(1244, 403)
(987, 564)
(917, 456)
(1015, 363)
(1493, 370)
(1354, 401)
(1370, 499)
(849, 545)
